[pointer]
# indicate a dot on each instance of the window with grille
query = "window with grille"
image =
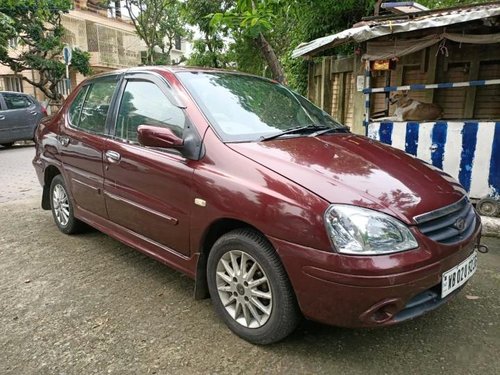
(62, 87)
(13, 83)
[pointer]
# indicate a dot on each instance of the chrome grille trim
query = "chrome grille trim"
(419, 219)
(442, 226)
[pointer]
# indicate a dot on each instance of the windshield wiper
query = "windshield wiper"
(329, 130)
(296, 130)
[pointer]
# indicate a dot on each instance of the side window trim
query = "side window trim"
(88, 86)
(161, 83)
(114, 106)
(3, 106)
(76, 126)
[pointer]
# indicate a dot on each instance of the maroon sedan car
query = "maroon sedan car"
(273, 208)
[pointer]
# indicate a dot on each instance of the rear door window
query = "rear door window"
(96, 106)
(16, 101)
(75, 108)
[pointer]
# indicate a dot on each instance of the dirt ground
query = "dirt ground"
(87, 304)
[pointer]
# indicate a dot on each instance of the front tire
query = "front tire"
(250, 289)
(62, 208)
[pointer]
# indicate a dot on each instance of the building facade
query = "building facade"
(108, 36)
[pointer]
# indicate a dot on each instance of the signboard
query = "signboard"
(67, 54)
(383, 65)
(360, 83)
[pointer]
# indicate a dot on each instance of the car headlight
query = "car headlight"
(360, 231)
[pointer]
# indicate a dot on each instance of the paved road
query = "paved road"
(88, 304)
(17, 176)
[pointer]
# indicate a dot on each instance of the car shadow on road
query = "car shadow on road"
(15, 147)
(440, 336)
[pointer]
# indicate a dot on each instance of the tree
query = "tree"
(315, 19)
(255, 18)
(36, 24)
(210, 49)
(157, 23)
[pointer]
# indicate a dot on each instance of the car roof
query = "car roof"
(172, 69)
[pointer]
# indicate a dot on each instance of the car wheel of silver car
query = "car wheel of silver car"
(7, 145)
(250, 289)
(62, 208)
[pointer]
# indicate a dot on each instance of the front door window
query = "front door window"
(144, 103)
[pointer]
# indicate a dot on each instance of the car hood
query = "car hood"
(351, 169)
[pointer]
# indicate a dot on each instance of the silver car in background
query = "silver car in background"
(19, 116)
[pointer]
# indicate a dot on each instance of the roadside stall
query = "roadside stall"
(430, 85)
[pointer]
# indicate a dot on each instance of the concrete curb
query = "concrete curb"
(491, 226)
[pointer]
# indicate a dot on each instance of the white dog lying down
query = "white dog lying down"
(408, 109)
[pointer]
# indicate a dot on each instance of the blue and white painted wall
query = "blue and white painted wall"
(467, 150)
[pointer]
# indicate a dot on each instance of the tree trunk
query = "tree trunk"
(210, 49)
(118, 9)
(378, 4)
(272, 60)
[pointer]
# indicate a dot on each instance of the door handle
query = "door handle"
(113, 156)
(34, 113)
(63, 140)
(2, 117)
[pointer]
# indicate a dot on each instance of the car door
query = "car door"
(82, 140)
(148, 191)
(5, 135)
(15, 117)
(35, 114)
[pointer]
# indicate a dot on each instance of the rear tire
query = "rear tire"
(62, 208)
(7, 145)
(250, 289)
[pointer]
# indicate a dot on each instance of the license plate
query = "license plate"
(458, 275)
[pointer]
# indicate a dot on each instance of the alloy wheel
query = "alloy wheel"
(60, 205)
(244, 289)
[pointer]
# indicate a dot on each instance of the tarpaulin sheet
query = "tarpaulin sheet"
(375, 29)
(387, 49)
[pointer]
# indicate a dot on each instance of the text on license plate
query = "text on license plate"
(458, 275)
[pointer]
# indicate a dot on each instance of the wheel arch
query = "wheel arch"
(49, 174)
(216, 230)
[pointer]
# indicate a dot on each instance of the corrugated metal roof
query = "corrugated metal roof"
(380, 26)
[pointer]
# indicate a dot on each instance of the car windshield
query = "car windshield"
(246, 108)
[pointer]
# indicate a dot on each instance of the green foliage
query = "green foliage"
(80, 61)
(252, 16)
(315, 19)
(284, 25)
(6, 28)
(246, 55)
(157, 23)
(253, 21)
(436, 4)
(209, 54)
(208, 50)
(36, 24)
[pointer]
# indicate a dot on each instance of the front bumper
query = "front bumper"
(367, 291)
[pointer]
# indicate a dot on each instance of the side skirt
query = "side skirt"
(155, 250)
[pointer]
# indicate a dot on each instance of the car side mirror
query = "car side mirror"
(155, 136)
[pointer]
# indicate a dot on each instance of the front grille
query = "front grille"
(450, 224)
